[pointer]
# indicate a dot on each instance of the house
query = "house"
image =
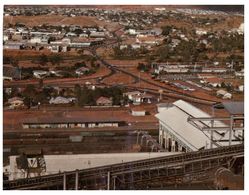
(104, 101)
(175, 42)
(240, 74)
(82, 70)
(10, 72)
(5, 37)
(135, 46)
(35, 40)
(71, 34)
(227, 96)
(137, 97)
(148, 40)
(214, 70)
(200, 32)
(132, 31)
(205, 76)
(15, 102)
(224, 94)
(142, 98)
(241, 88)
(40, 74)
(123, 47)
(83, 35)
(61, 100)
(55, 48)
(138, 111)
(97, 34)
(13, 45)
(130, 94)
(214, 82)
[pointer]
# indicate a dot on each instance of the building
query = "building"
(104, 101)
(55, 48)
(163, 106)
(15, 102)
(97, 34)
(138, 111)
(82, 70)
(178, 133)
(35, 40)
(13, 45)
(214, 82)
(241, 88)
(137, 97)
(131, 94)
(148, 40)
(10, 72)
(40, 74)
(224, 94)
(66, 122)
(61, 100)
(73, 162)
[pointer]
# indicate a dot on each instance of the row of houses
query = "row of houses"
(101, 101)
(183, 68)
(25, 38)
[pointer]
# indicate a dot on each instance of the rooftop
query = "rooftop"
(63, 120)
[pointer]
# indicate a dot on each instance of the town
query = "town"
(120, 97)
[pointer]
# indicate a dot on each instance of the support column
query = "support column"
(231, 129)
(161, 137)
(166, 141)
(173, 145)
(114, 183)
(64, 181)
(77, 180)
(108, 180)
(169, 140)
(179, 147)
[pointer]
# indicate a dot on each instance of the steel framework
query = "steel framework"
(136, 174)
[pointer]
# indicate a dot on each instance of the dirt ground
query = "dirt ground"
(50, 20)
(118, 78)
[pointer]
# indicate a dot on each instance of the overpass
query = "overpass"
(137, 174)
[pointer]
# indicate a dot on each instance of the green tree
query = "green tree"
(166, 30)
(43, 59)
(56, 59)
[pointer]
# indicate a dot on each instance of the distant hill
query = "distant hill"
(225, 8)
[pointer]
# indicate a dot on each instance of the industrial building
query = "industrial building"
(73, 162)
(65, 122)
(184, 127)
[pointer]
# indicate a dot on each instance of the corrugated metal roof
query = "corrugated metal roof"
(175, 119)
(196, 112)
(234, 107)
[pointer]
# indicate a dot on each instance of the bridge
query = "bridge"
(137, 174)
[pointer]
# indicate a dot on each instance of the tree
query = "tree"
(166, 30)
(43, 59)
(56, 59)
